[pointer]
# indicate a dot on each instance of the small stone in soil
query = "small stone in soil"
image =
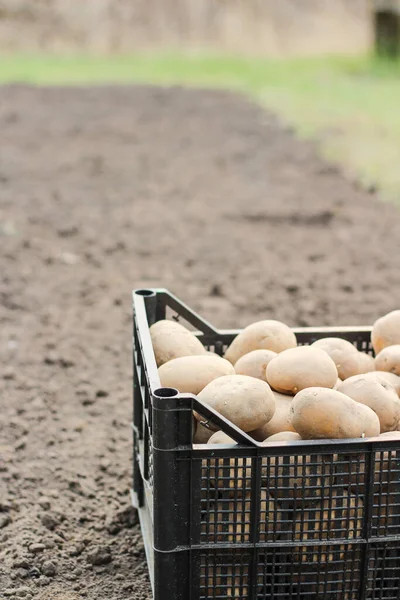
(49, 568)
(20, 445)
(69, 258)
(100, 555)
(9, 373)
(77, 550)
(22, 573)
(21, 591)
(36, 548)
(4, 520)
(21, 563)
(38, 403)
(53, 493)
(104, 465)
(44, 503)
(66, 363)
(51, 358)
(49, 521)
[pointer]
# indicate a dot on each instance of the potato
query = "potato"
(343, 353)
(386, 331)
(366, 363)
(254, 364)
(391, 378)
(281, 421)
(202, 434)
(192, 373)
(249, 403)
(172, 340)
(266, 335)
(388, 360)
(390, 435)
(283, 436)
(371, 421)
(319, 413)
(380, 396)
(299, 368)
(338, 382)
(219, 437)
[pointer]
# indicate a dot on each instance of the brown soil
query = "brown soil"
(106, 189)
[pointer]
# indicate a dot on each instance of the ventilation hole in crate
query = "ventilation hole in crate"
(227, 521)
(226, 500)
(217, 347)
(363, 345)
(224, 576)
(384, 571)
(328, 571)
(386, 494)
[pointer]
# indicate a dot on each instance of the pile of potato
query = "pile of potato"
(273, 389)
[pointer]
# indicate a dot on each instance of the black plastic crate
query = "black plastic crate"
(292, 521)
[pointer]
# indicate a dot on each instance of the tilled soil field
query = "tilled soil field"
(107, 189)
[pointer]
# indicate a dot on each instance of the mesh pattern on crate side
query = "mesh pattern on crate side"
(313, 496)
(364, 346)
(385, 520)
(326, 572)
(384, 571)
(225, 500)
(302, 498)
(224, 576)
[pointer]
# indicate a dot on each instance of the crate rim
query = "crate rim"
(148, 292)
(247, 443)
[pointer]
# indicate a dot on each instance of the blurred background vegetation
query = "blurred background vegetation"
(310, 61)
